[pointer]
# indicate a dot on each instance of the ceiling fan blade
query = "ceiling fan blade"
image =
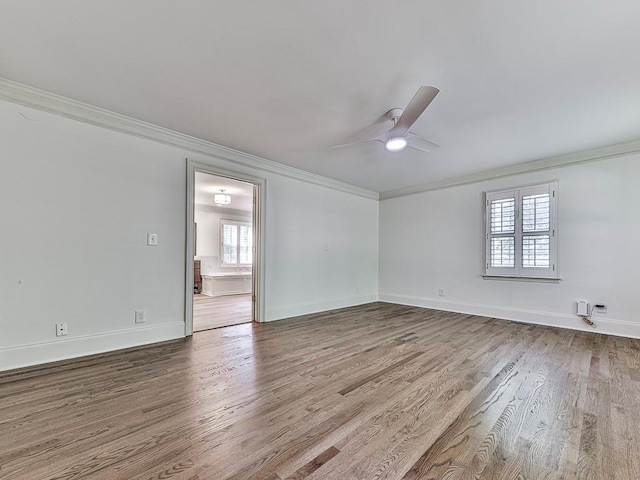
(376, 131)
(420, 143)
(418, 104)
(340, 145)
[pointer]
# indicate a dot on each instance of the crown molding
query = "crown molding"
(584, 156)
(49, 102)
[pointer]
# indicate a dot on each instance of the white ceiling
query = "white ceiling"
(285, 79)
(207, 185)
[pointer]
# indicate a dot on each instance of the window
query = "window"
(520, 232)
(236, 243)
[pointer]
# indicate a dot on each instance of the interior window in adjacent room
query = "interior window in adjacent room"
(236, 243)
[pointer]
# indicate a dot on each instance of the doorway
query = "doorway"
(223, 251)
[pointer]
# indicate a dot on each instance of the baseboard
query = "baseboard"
(298, 309)
(607, 326)
(73, 347)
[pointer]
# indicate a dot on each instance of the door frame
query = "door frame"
(258, 268)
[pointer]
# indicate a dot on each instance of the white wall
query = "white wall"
(302, 276)
(76, 202)
(435, 240)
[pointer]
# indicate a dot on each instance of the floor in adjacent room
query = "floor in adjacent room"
(215, 312)
(370, 392)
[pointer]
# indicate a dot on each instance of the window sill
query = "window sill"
(523, 279)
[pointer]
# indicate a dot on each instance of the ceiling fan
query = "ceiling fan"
(394, 132)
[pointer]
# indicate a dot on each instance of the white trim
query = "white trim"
(190, 250)
(584, 156)
(297, 309)
(523, 279)
(607, 326)
(80, 346)
(15, 92)
(258, 269)
(32, 97)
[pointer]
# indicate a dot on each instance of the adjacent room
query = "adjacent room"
(223, 247)
(319, 240)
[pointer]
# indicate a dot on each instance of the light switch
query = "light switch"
(152, 239)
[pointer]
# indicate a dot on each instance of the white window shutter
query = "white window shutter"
(245, 244)
(236, 243)
(501, 210)
(230, 243)
(521, 232)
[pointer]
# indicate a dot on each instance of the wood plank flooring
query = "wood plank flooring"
(378, 391)
(215, 312)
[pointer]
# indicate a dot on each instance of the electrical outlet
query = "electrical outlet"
(600, 309)
(441, 292)
(61, 329)
(141, 316)
(152, 239)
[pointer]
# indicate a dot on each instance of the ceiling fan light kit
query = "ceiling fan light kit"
(396, 144)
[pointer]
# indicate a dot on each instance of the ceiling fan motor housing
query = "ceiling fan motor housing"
(394, 114)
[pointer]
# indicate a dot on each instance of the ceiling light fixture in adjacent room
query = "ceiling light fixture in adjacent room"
(221, 198)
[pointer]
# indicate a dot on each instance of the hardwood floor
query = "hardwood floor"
(371, 392)
(215, 312)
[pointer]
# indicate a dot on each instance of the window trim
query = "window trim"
(228, 221)
(518, 271)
